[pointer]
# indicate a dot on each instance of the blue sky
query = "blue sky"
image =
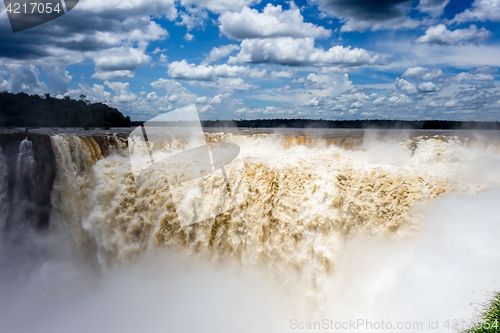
(246, 59)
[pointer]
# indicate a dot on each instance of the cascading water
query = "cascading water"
(19, 210)
(75, 158)
(319, 228)
(18, 204)
(3, 193)
(23, 209)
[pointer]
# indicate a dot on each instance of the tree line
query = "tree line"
(23, 110)
(366, 124)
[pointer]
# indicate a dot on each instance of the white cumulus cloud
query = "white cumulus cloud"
(113, 75)
(170, 86)
(217, 99)
(471, 77)
(184, 70)
(220, 52)
(441, 35)
(410, 89)
(405, 86)
(423, 73)
(163, 58)
(229, 84)
(194, 17)
(428, 87)
(272, 22)
(122, 92)
(123, 58)
(434, 8)
(301, 51)
(481, 10)
(188, 37)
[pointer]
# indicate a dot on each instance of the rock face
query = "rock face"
(29, 172)
(46, 171)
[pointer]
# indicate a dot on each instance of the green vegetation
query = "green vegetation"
(23, 110)
(489, 318)
(367, 123)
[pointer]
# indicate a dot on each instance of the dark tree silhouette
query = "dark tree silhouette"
(23, 110)
(376, 123)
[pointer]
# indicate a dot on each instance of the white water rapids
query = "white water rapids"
(399, 229)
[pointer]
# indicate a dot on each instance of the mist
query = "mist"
(432, 258)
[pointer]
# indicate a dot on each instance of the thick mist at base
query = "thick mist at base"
(443, 273)
(158, 293)
(101, 272)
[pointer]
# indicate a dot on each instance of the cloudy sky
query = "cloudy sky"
(244, 59)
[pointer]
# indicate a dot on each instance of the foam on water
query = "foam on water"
(394, 230)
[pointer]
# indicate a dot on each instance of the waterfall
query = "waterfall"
(339, 227)
(23, 210)
(296, 201)
(4, 202)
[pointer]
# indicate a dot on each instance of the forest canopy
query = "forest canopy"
(23, 110)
